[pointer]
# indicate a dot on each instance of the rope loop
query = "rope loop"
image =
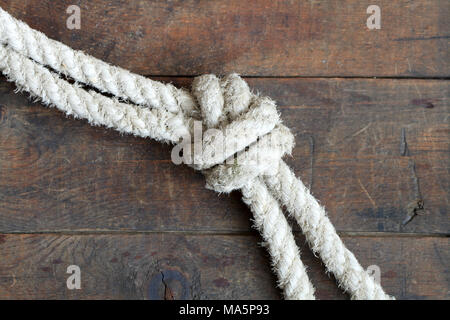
(249, 139)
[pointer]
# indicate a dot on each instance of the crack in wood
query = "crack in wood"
(168, 295)
(414, 207)
(403, 144)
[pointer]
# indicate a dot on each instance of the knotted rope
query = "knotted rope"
(244, 151)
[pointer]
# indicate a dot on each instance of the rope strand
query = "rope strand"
(280, 242)
(322, 236)
(157, 124)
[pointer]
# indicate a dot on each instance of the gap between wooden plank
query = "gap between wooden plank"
(337, 77)
(222, 233)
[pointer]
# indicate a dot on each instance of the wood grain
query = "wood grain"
(229, 267)
(261, 38)
(370, 148)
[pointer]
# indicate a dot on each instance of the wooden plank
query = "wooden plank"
(370, 147)
(264, 37)
(229, 267)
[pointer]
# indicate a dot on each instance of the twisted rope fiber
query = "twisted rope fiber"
(87, 69)
(250, 124)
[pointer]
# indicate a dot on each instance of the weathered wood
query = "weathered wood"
(233, 267)
(264, 37)
(371, 149)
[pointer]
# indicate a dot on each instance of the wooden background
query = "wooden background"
(369, 109)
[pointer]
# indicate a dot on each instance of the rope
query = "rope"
(322, 236)
(29, 76)
(241, 150)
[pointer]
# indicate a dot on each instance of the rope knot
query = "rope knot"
(245, 137)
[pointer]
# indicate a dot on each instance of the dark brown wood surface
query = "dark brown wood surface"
(372, 150)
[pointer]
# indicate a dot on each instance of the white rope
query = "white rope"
(322, 236)
(254, 139)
